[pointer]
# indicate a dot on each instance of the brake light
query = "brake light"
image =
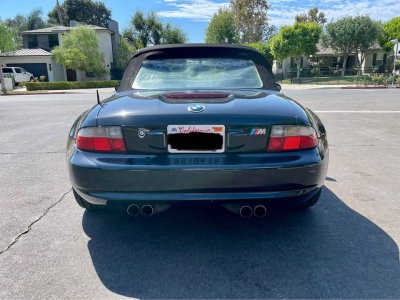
(289, 138)
(196, 95)
(106, 139)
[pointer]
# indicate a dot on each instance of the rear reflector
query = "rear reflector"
(289, 138)
(106, 139)
(196, 96)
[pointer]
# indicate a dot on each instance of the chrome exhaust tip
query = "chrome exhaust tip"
(246, 211)
(260, 211)
(147, 211)
(133, 210)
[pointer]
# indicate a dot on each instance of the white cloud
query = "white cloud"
(196, 10)
(282, 12)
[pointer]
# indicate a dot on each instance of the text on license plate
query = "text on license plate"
(196, 138)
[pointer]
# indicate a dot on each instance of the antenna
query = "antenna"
(98, 98)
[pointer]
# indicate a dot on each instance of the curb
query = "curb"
(21, 94)
(370, 87)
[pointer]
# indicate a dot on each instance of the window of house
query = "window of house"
(90, 74)
(379, 59)
(53, 40)
(336, 59)
(32, 41)
(293, 62)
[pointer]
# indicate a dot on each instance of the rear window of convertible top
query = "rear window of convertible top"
(197, 73)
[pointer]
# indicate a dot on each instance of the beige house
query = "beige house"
(37, 59)
(376, 61)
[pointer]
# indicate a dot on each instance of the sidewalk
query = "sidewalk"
(112, 90)
(23, 91)
(286, 86)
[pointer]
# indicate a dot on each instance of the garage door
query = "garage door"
(36, 69)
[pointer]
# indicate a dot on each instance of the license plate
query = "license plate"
(196, 138)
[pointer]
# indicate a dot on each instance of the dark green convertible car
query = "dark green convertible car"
(197, 123)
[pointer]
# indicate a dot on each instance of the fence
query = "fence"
(330, 76)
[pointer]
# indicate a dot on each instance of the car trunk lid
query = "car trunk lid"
(246, 115)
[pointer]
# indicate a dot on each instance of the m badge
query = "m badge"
(258, 131)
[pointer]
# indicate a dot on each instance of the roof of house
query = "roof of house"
(330, 51)
(26, 52)
(60, 28)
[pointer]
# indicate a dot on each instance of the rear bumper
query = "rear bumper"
(275, 178)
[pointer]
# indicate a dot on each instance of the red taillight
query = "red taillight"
(196, 95)
(289, 138)
(106, 139)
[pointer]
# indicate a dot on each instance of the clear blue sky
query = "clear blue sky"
(193, 15)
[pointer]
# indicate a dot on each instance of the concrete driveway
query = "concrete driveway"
(347, 246)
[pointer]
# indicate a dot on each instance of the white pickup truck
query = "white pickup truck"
(18, 73)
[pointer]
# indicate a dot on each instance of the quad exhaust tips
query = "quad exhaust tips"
(147, 210)
(246, 211)
(133, 210)
(260, 211)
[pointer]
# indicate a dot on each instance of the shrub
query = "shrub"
(365, 81)
(388, 80)
(377, 80)
(42, 78)
(70, 85)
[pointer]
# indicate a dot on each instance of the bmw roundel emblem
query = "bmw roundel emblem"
(196, 108)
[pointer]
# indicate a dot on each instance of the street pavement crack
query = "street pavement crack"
(34, 222)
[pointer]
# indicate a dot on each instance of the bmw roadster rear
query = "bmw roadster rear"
(197, 123)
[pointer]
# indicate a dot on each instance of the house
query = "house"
(37, 59)
(376, 61)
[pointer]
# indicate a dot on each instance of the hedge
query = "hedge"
(69, 85)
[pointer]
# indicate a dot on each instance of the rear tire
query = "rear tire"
(82, 202)
(311, 202)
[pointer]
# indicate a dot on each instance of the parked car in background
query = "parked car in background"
(19, 74)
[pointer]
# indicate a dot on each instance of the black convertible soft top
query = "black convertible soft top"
(177, 51)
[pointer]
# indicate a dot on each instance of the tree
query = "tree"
(265, 50)
(123, 53)
(87, 11)
(222, 28)
(34, 20)
(172, 34)
(31, 21)
(368, 33)
(7, 35)
(341, 36)
(147, 29)
(296, 41)
(391, 32)
(252, 20)
(313, 15)
(79, 50)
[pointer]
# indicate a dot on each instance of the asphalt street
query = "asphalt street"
(347, 246)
